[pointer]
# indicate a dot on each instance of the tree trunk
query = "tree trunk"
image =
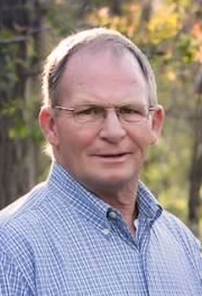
(147, 8)
(18, 151)
(196, 172)
(116, 7)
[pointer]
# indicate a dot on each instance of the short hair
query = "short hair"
(99, 39)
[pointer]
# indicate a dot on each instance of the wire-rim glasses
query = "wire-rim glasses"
(95, 114)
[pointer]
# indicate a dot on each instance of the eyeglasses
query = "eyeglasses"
(89, 114)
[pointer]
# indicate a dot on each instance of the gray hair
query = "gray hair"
(98, 39)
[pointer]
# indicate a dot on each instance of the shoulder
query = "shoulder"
(23, 204)
(28, 225)
(18, 218)
(178, 228)
(20, 223)
(184, 237)
(22, 228)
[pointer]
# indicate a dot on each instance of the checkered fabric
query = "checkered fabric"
(62, 240)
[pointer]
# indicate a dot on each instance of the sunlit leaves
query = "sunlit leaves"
(197, 34)
(166, 31)
(182, 4)
(126, 24)
(187, 48)
(197, 30)
(165, 24)
(171, 75)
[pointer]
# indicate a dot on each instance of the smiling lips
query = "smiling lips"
(113, 155)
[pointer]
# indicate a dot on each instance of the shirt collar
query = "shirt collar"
(147, 203)
(89, 205)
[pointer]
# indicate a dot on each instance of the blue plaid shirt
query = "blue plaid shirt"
(61, 240)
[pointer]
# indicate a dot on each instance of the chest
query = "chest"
(106, 264)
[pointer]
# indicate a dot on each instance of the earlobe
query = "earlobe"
(48, 125)
(157, 124)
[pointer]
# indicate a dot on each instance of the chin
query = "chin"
(114, 180)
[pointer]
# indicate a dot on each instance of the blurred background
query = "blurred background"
(169, 33)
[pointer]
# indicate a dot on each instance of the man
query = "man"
(93, 228)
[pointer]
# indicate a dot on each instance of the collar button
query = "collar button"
(106, 231)
(112, 214)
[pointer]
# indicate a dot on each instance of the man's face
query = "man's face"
(109, 154)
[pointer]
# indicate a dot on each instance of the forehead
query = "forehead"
(103, 75)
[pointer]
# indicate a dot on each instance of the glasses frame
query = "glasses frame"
(71, 110)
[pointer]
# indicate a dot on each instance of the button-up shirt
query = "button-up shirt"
(60, 239)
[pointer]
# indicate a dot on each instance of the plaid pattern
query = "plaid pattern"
(61, 240)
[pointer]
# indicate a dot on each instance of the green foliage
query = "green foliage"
(62, 18)
(187, 48)
(174, 200)
(8, 76)
(21, 128)
(13, 105)
(165, 24)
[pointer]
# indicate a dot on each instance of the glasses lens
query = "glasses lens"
(132, 114)
(87, 114)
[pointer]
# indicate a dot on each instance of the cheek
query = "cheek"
(142, 137)
(76, 139)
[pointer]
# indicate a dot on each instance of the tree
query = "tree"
(19, 165)
(196, 160)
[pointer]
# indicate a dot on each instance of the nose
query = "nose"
(112, 129)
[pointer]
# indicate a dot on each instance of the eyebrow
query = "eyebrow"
(121, 104)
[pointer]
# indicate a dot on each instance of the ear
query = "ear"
(158, 117)
(47, 122)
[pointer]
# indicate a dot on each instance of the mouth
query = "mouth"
(113, 156)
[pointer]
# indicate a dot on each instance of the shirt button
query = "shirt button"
(112, 215)
(106, 231)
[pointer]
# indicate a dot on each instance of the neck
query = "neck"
(125, 201)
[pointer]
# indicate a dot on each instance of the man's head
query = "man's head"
(100, 109)
(93, 40)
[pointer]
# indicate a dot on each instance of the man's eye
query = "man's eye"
(89, 111)
(128, 110)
